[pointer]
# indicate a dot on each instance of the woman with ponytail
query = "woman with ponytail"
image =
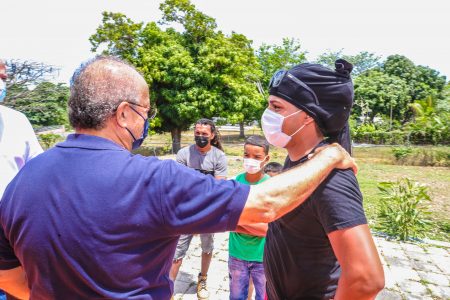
(323, 249)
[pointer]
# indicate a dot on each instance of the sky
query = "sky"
(56, 32)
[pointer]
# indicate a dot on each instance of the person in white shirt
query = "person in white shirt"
(18, 143)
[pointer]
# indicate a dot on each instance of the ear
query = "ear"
(308, 119)
(122, 114)
(267, 159)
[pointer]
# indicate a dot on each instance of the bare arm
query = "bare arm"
(272, 199)
(14, 282)
(362, 274)
(256, 229)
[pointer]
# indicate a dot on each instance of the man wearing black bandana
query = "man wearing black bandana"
(323, 249)
(207, 157)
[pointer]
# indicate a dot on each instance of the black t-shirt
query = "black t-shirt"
(298, 258)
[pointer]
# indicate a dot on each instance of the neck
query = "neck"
(302, 145)
(106, 134)
(204, 149)
(252, 178)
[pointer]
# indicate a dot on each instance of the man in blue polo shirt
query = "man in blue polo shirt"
(88, 219)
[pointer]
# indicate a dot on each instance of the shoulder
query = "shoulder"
(340, 184)
(341, 177)
(240, 178)
(12, 116)
(217, 153)
(184, 152)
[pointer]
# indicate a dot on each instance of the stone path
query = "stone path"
(412, 271)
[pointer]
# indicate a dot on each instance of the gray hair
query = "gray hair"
(97, 88)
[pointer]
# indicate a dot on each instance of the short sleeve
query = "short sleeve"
(8, 259)
(338, 202)
(33, 148)
(192, 202)
(182, 156)
(222, 166)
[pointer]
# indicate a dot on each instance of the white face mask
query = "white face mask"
(272, 124)
(2, 90)
(252, 166)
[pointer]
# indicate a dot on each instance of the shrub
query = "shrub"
(403, 213)
(401, 153)
(49, 139)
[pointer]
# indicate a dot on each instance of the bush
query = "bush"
(401, 153)
(423, 156)
(403, 213)
(48, 140)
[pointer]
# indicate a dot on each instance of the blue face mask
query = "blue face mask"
(137, 142)
(2, 90)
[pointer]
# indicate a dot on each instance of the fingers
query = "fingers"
(355, 167)
(317, 150)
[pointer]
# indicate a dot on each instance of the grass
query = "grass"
(376, 164)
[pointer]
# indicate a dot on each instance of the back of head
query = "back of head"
(273, 167)
(97, 87)
(257, 140)
(324, 94)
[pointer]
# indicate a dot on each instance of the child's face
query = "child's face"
(256, 153)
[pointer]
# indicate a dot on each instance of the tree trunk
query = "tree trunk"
(176, 140)
(241, 130)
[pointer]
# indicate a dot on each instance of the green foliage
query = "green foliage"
(403, 212)
(49, 140)
(193, 73)
(400, 153)
(423, 81)
(275, 57)
(425, 157)
(429, 126)
(45, 105)
(362, 61)
(383, 94)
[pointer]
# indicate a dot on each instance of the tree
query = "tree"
(193, 73)
(44, 105)
(362, 62)
(423, 81)
(23, 75)
(275, 57)
(384, 94)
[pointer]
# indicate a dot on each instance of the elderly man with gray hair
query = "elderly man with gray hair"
(92, 220)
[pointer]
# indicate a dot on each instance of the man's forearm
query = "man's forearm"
(272, 199)
(14, 282)
(256, 229)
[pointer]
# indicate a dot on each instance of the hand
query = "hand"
(336, 150)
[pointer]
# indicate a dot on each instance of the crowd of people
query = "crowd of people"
(89, 219)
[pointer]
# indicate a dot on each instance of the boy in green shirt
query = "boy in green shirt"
(246, 244)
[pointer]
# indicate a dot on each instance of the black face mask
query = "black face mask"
(201, 141)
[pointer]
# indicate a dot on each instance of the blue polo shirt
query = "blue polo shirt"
(88, 219)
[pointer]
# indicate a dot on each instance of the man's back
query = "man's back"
(92, 220)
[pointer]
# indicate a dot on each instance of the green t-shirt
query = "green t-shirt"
(244, 246)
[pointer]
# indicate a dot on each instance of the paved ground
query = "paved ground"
(413, 271)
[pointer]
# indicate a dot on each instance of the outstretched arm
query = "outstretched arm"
(272, 199)
(362, 274)
(256, 229)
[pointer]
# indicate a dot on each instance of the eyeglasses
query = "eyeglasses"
(277, 78)
(151, 114)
